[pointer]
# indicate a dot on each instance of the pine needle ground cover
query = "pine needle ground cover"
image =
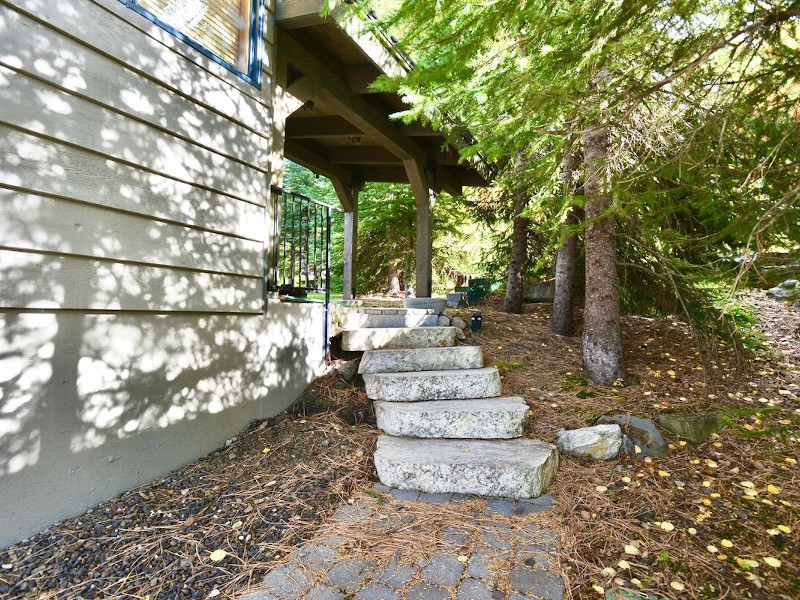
(716, 520)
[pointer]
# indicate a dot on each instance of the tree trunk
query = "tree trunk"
(602, 340)
(519, 257)
(564, 297)
(393, 279)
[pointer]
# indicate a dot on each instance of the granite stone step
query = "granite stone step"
(398, 337)
(355, 320)
(455, 384)
(520, 468)
(421, 359)
(435, 304)
(486, 419)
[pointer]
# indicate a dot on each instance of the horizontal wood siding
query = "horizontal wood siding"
(134, 171)
(48, 281)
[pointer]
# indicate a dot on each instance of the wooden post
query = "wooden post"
(348, 197)
(350, 250)
(425, 198)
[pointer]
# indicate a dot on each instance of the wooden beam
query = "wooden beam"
(316, 162)
(361, 155)
(357, 110)
(294, 14)
(348, 196)
(361, 77)
(419, 130)
(319, 128)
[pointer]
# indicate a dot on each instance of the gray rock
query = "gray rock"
(350, 574)
(442, 569)
(521, 468)
(601, 442)
(460, 334)
(695, 428)
(494, 418)
(434, 304)
(642, 432)
(458, 322)
(421, 359)
(789, 291)
(347, 371)
(398, 337)
(424, 591)
(444, 321)
(541, 584)
(472, 589)
(543, 291)
(457, 299)
(433, 385)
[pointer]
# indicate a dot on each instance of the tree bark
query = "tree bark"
(393, 279)
(602, 339)
(519, 257)
(564, 296)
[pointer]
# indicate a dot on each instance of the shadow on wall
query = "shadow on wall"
(131, 337)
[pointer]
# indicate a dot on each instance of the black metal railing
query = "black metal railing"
(301, 255)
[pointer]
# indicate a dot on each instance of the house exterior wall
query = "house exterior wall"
(134, 187)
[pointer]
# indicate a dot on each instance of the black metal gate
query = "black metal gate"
(301, 257)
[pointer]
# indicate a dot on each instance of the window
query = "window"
(227, 31)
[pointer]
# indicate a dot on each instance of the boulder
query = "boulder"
(694, 428)
(788, 291)
(544, 291)
(457, 299)
(458, 322)
(642, 433)
(347, 371)
(601, 442)
(444, 321)
(629, 594)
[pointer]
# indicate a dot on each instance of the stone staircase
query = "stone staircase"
(447, 427)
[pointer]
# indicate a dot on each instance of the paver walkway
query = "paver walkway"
(401, 545)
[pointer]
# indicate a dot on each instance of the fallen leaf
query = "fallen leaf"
(630, 549)
(785, 529)
(667, 526)
(218, 555)
(772, 562)
(608, 572)
(747, 484)
(599, 589)
(677, 586)
(624, 565)
(692, 531)
(773, 489)
(713, 549)
(462, 558)
(265, 450)
(601, 488)
(726, 544)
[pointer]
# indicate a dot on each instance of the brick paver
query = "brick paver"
(489, 556)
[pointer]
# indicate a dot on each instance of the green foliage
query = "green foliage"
(702, 99)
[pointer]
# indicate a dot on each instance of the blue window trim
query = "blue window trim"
(255, 60)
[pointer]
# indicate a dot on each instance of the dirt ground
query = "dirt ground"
(718, 520)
